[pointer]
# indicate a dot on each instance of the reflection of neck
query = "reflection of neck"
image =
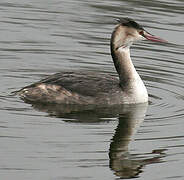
(128, 124)
(122, 136)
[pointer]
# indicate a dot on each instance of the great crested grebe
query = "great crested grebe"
(98, 89)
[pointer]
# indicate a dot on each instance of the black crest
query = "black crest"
(130, 23)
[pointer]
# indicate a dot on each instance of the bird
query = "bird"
(84, 88)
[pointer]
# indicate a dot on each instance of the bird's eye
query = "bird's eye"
(141, 33)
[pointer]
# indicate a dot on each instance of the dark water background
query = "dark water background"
(40, 37)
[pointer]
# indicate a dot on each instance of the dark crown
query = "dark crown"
(129, 22)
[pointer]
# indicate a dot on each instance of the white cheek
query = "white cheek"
(129, 41)
(141, 38)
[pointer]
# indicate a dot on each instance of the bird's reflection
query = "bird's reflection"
(121, 161)
(77, 113)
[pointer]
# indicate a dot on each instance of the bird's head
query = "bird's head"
(128, 31)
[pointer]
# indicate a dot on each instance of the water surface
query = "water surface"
(41, 37)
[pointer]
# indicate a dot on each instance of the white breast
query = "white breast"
(138, 92)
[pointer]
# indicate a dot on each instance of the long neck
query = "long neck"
(130, 81)
(123, 64)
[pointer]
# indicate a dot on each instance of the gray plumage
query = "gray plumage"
(74, 88)
(98, 89)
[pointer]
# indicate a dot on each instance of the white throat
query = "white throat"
(136, 90)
